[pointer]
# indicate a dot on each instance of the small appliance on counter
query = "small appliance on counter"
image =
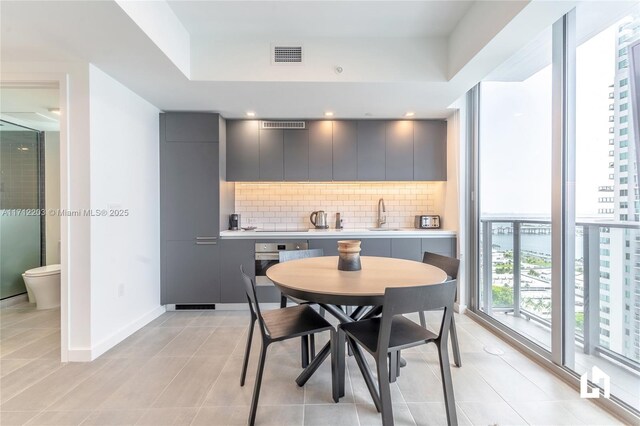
(427, 221)
(319, 219)
(234, 222)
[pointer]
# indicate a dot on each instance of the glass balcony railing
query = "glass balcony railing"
(515, 289)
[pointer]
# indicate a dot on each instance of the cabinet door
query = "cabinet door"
(345, 150)
(191, 127)
(329, 246)
(243, 150)
(191, 272)
(271, 155)
(430, 150)
(296, 155)
(233, 254)
(406, 248)
(189, 190)
(376, 247)
(320, 150)
(399, 147)
(371, 150)
(443, 246)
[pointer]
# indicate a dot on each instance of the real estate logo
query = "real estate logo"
(597, 375)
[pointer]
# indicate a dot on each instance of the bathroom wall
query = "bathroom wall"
(52, 195)
(288, 205)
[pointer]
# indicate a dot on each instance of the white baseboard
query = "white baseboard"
(461, 309)
(89, 354)
(15, 300)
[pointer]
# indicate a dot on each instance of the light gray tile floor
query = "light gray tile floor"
(184, 368)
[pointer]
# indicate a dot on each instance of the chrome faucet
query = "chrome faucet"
(381, 209)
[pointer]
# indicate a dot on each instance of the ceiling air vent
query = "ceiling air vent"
(287, 54)
(283, 124)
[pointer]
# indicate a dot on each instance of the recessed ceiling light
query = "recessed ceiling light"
(328, 114)
(409, 114)
(54, 111)
(251, 114)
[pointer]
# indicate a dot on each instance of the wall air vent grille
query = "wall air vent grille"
(287, 54)
(283, 124)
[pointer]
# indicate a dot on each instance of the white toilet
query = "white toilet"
(43, 286)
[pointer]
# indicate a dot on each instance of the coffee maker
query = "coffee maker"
(234, 222)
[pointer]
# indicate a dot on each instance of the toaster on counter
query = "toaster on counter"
(427, 221)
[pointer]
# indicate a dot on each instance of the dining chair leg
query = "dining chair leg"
(393, 366)
(384, 387)
(304, 351)
(283, 301)
(340, 343)
(366, 374)
(423, 321)
(247, 351)
(447, 383)
(454, 343)
(258, 384)
(312, 347)
(335, 371)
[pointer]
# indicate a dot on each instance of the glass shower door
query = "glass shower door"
(21, 196)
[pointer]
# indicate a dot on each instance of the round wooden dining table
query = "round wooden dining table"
(318, 280)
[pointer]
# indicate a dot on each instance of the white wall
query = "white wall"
(52, 195)
(125, 251)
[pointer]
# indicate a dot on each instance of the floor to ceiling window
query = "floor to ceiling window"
(607, 269)
(557, 209)
(515, 192)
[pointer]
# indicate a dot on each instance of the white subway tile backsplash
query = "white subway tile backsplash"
(288, 205)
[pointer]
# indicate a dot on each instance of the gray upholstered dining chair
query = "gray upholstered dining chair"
(384, 337)
(307, 344)
(450, 265)
(275, 326)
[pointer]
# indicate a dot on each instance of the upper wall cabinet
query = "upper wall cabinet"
(320, 150)
(342, 150)
(345, 150)
(399, 149)
(429, 150)
(371, 150)
(191, 127)
(243, 150)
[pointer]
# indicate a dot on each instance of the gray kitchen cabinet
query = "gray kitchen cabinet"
(399, 150)
(406, 248)
(328, 245)
(371, 150)
(191, 272)
(234, 253)
(243, 150)
(189, 190)
(320, 150)
(443, 246)
(271, 155)
(345, 150)
(191, 127)
(376, 247)
(296, 155)
(430, 150)
(189, 210)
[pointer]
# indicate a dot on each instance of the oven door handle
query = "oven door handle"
(267, 256)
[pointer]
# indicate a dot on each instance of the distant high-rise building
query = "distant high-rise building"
(620, 202)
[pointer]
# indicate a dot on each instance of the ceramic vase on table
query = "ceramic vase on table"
(349, 255)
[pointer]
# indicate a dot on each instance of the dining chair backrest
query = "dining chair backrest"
(287, 255)
(254, 306)
(407, 300)
(450, 265)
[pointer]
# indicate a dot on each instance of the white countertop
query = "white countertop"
(344, 233)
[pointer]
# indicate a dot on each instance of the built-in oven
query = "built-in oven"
(267, 255)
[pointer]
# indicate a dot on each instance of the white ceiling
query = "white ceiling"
(229, 20)
(30, 107)
(397, 56)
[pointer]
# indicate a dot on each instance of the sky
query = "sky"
(515, 132)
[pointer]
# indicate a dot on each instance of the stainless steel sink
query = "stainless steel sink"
(385, 229)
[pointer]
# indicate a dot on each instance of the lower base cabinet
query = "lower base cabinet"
(407, 248)
(234, 253)
(380, 247)
(191, 273)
